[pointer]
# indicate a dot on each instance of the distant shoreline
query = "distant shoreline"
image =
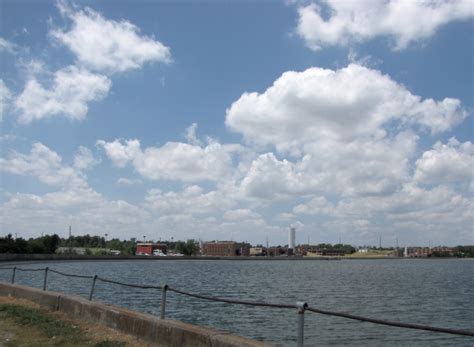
(12, 257)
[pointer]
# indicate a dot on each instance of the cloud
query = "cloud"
(351, 22)
(7, 46)
(32, 68)
(5, 96)
(189, 201)
(285, 216)
(415, 213)
(241, 214)
(100, 45)
(84, 159)
(190, 135)
(107, 45)
(352, 131)
(44, 164)
(317, 205)
(342, 170)
(186, 162)
(435, 208)
(83, 208)
(271, 178)
(74, 204)
(173, 160)
(72, 89)
(121, 151)
(446, 163)
(346, 104)
(128, 181)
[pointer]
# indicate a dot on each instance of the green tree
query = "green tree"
(180, 247)
(10, 245)
(191, 247)
(50, 242)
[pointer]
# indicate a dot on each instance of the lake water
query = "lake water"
(432, 292)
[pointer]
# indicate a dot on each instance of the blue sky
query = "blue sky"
(234, 120)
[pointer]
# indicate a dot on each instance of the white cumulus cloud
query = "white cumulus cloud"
(173, 160)
(352, 131)
(189, 201)
(353, 102)
(121, 151)
(446, 163)
(71, 90)
(84, 159)
(45, 164)
(107, 45)
(404, 21)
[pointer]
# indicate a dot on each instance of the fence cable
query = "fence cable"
(231, 301)
(69, 275)
(393, 324)
(129, 285)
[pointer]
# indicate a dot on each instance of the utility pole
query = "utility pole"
(69, 231)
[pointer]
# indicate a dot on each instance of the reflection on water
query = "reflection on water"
(433, 292)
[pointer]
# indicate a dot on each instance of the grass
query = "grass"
(42, 321)
(24, 326)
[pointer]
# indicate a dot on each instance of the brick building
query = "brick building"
(147, 248)
(225, 249)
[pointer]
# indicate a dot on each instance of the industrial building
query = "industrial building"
(147, 248)
(225, 248)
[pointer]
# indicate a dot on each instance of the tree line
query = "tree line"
(48, 244)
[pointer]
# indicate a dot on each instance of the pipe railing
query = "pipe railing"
(300, 306)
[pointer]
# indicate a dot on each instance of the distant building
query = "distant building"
(225, 249)
(313, 250)
(417, 252)
(257, 251)
(443, 252)
(305, 248)
(147, 248)
(276, 251)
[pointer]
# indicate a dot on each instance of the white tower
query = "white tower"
(291, 238)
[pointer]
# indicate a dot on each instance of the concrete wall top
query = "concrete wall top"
(155, 331)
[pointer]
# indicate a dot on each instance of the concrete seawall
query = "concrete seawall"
(158, 332)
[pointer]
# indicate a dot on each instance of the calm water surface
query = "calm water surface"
(433, 292)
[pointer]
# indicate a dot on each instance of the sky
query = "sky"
(234, 120)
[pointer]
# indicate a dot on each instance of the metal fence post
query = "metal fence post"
(163, 301)
(13, 275)
(45, 278)
(301, 305)
(92, 288)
